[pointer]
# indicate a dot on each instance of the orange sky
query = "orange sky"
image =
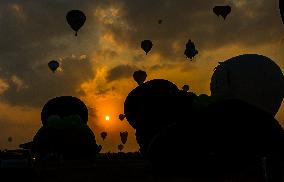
(111, 38)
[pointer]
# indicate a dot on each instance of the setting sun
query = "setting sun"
(107, 118)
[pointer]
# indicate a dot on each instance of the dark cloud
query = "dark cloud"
(120, 72)
(254, 23)
(42, 84)
(33, 33)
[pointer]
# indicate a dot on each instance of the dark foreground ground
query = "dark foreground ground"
(104, 169)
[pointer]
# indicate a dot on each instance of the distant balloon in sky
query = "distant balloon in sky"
(253, 78)
(123, 137)
(281, 7)
(53, 65)
(190, 50)
(10, 139)
(140, 76)
(160, 21)
(103, 135)
(224, 11)
(120, 147)
(121, 117)
(185, 88)
(76, 19)
(146, 45)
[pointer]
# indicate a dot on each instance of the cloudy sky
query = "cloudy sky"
(97, 65)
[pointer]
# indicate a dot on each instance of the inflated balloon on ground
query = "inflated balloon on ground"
(253, 78)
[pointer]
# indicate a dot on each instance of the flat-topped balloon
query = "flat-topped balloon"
(76, 19)
(224, 11)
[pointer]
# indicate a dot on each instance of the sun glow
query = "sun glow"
(107, 118)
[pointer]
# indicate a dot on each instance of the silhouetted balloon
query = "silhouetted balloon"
(121, 117)
(120, 147)
(190, 50)
(146, 45)
(103, 135)
(253, 78)
(76, 19)
(10, 139)
(140, 76)
(65, 131)
(53, 65)
(64, 106)
(281, 7)
(185, 88)
(154, 105)
(123, 137)
(224, 11)
(160, 21)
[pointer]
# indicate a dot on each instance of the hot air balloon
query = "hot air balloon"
(75, 19)
(123, 137)
(121, 117)
(253, 78)
(185, 88)
(146, 45)
(281, 7)
(53, 65)
(140, 76)
(224, 11)
(10, 139)
(120, 147)
(190, 50)
(103, 135)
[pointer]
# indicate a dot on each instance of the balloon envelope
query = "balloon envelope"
(146, 45)
(281, 7)
(121, 117)
(185, 88)
(224, 11)
(75, 19)
(123, 137)
(103, 135)
(120, 147)
(140, 76)
(53, 65)
(253, 78)
(10, 139)
(190, 50)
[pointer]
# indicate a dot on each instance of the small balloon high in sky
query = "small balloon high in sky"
(53, 65)
(224, 11)
(190, 51)
(76, 20)
(146, 45)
